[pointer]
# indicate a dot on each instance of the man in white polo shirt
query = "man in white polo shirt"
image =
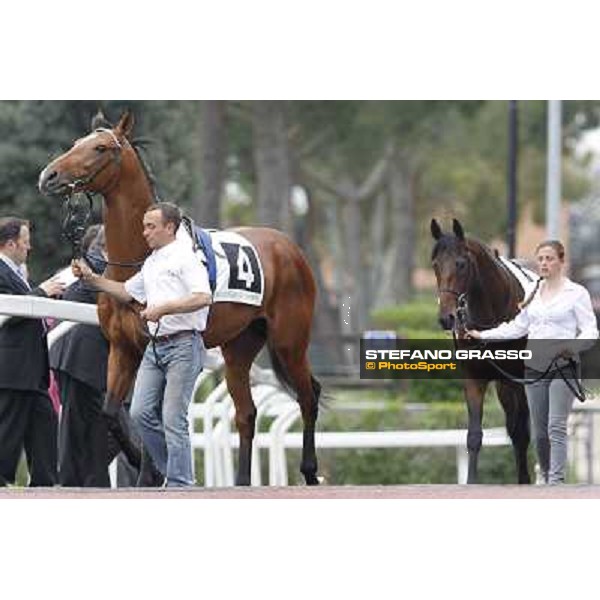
(174, 286)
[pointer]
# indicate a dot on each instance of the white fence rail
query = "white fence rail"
(38, 307)
(216, 436)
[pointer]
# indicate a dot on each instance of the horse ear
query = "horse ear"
(436, 230)
(125, 124)
(458, 230)
(100, 121)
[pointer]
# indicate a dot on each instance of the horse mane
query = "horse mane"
(100, 122)
(513, 288)
(139, 146)
(475, 244)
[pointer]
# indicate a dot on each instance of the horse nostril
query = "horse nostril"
(447, 321)
(48, 180)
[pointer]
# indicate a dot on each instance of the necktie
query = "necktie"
(21, 273)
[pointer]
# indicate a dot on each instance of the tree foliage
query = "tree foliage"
(356, 160)
(33, 132)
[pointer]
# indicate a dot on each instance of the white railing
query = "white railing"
(216, 437)
(277, 440)
(38, 307)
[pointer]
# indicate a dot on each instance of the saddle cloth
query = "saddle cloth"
(234, 269)
(525, 277)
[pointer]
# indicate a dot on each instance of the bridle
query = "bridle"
(462, 318)
(77, 218)
(462, 308)
(462, 304)
(115, 151)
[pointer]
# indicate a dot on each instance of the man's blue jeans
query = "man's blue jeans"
(161, 398)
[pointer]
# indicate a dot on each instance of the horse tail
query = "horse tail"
(281, 372)
(287, 383)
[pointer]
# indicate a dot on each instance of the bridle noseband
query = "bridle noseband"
(462, 305)
(462, 308)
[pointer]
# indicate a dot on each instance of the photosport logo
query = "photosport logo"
(389, 357)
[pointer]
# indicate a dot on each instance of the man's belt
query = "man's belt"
(169, 337)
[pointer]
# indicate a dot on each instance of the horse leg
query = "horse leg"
(474, 394)
(514, 402)
(119, 381)
(239, 354)
(308, 390)
(121, 373)
(290, 362)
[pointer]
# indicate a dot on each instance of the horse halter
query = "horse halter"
(76, 222)
(77, 218)
(462, 307)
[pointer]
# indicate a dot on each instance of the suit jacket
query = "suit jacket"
(23, 346)
(82, 352)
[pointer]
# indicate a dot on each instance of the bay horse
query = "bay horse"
(476, 291)
(106, 162)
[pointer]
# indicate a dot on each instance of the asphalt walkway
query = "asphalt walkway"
(401, 492)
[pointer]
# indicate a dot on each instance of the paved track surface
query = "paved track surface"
(403, 492)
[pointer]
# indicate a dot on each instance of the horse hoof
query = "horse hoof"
(154, 479)
(311, 479)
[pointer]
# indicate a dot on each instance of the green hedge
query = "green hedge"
(406, 465)
(420, 314)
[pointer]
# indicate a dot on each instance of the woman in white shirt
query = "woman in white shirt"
(558, 310)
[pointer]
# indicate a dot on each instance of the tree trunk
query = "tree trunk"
(376, 247)
(326, 344)
(399, 258)
(272, 163)
(207, 207)
(403, 223)
(353, 292)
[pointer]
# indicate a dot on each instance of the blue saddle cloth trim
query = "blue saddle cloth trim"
(205, 243)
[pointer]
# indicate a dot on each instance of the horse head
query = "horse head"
(94, 162)
(452, 265)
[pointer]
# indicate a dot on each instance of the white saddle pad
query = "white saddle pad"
(525, 277)
(240, 276)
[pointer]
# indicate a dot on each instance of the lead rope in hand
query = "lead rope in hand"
(153, 337)
(580, 391)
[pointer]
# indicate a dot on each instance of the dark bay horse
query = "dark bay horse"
(105, 162)
(476, 291)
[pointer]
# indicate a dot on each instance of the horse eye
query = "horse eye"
(461, 263)
(100, 149)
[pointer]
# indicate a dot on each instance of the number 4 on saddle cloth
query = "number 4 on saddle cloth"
(234, 270)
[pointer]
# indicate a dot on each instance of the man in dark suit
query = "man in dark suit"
(79, 359)
(27, 418)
